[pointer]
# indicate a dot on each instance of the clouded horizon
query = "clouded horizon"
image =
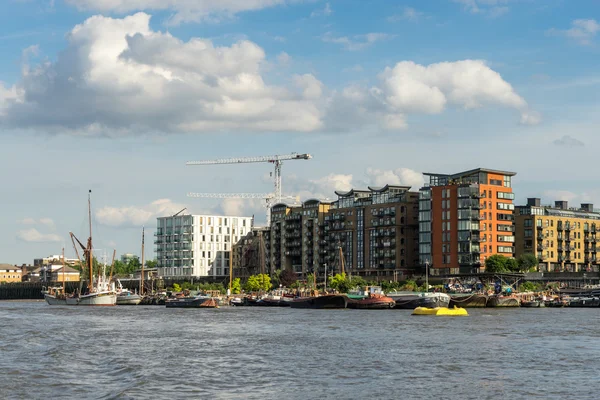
(115, 96)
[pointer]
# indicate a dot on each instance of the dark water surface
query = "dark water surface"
(279, 353)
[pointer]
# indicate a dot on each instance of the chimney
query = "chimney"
(561, 204)
(534, 201)
(589, 207)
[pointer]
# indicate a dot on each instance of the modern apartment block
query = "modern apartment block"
(297, 234)
(465, 218)
(197, 245)
(377, 231)
(562, 238)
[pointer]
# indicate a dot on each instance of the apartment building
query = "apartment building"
(562, 238)
(297, 234)
(197, 245)
(376, 230)
(464, 218)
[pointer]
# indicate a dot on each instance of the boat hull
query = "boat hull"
(585, 302)
(379, 303)
(54, 301)
(532, 304)
(412, 301)
(503, 301)
(273, 303)
(185, 302)
(469, 300)
(131, 300)
(321, 302)
(94, 299)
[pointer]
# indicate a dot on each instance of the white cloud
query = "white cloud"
(137, 216)
(184, 10)
(284, 59)
(582, 30)
(492, 8)
(409, 88)
(32, 221)
(33, 235)
(324, 12)
(398, 176)
(568, 141)
(409, 14)
(356, 42)
(117, 76)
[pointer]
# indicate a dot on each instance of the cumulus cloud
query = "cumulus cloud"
(185, 10)
(119, 76)
(398, 176)
(137, 216)
(33, 235)
(410, 88)
(568, 141)
(356, 42)
(32, 221)
(582, 30)
(409, 14)
(492, 8)
(323, 12)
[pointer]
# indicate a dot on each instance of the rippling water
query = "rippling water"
(281, 353)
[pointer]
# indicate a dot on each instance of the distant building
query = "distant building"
(465, 218)
(10, 273)
(56, 274)
(197, 245)
(125, 258)
(562, 238)
(54, 259)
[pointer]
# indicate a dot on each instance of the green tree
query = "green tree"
(340, 283)
(409, 285)
(310, 280)
(512, 265)
(258, 282)
(496, 264)
(176, 287)
(530, 287)
(527, 262)
(236, 286)
(151, 263)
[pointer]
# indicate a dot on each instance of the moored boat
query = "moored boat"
(329, 301)
(532, 303)
(503, 301)
(373, 301)
(584, 302)
(412, 300)
(127, 298)
(55, 296)
(98, 298)
(471, 300)
(186, 302)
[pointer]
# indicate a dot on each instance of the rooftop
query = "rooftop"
(471, 172)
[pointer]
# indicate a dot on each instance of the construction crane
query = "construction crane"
(268, 197)
(277, 160)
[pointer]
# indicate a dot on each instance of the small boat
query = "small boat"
(532, 304)
(374, 301)
(236, 301)
(441, 311)
(126, 297)
(410, 300)
(273, 301)
(328, 301)
(186, 302)
(55, 296)
(210, 303)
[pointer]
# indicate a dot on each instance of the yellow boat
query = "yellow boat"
(441, 311)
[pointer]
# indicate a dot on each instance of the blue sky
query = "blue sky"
(105, 96)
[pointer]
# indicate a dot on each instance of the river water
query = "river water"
(151, 352)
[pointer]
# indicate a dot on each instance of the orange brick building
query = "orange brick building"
(465, 218)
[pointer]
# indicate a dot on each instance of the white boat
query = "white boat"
(100, 294)
(126, 297)
(412, 300)
(55, 296)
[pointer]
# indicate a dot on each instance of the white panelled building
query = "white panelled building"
(197, 245)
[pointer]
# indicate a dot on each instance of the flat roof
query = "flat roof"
(473, 171)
